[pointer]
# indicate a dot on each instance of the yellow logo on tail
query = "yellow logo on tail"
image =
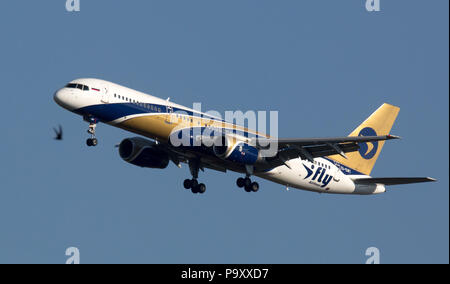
(379, 123)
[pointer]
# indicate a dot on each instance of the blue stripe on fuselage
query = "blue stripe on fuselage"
(113, 111)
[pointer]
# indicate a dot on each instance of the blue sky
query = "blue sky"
(324, 65)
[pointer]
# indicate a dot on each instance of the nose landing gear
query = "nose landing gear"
(91, 142)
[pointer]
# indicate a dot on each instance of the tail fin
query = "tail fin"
(379, 123)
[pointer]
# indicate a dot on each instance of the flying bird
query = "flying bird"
(58, 133)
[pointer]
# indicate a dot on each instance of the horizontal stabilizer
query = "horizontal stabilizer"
(393, 180)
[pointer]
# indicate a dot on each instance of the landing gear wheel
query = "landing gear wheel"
(255, 187)
(248, 189)
(201, 188)
(247, 182)
(187, 184)
(240, 182)
(194, 183)
(92, 142)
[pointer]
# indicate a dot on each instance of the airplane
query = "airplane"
(339, 165)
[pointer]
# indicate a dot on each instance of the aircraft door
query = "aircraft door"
(170, 117)
(105, 95)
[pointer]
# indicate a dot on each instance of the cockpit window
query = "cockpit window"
(77, 86)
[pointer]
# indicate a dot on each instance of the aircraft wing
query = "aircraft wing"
(310, 148)
(393, 180)
(282, 142)
(290, 148)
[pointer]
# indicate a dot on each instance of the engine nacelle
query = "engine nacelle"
(229, 148)
(143, 153)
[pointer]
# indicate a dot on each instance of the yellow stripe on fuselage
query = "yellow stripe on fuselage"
(160, 126)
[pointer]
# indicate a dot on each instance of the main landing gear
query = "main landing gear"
(193, 184)
(246, 182)
(91, 142)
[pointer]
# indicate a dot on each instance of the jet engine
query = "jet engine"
(143, 153)
(229, 148)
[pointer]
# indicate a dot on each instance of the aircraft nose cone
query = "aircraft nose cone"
(58, 97)
(62, 98)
